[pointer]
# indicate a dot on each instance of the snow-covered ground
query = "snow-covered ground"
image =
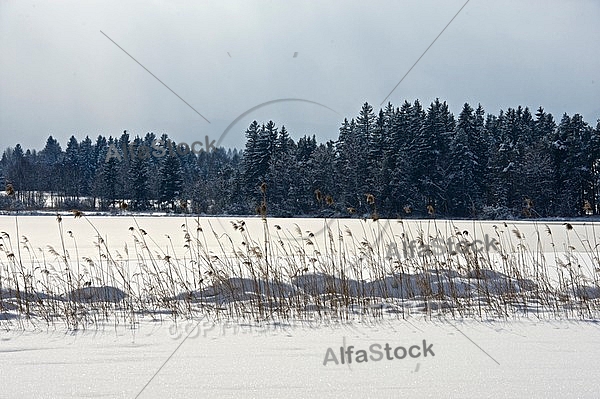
(513, 348)
(43, 231)
(473, 359)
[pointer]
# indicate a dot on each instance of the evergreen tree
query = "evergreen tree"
(71, 171)
(400, 148)
(427, 152)
(139, 181)
(465, 191)
(88, 163)
(99, 154)
(364, 134)
(51, 168)
(107, 176)
(321, 176)
(171, 181)
(251, 173)
(282, 176)
(376, 175)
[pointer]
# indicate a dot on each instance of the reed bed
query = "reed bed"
(282, 275)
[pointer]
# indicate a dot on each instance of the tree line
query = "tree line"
(404, 161)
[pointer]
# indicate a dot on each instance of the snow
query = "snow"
(42, 231)
(529, 353)
(537, 359)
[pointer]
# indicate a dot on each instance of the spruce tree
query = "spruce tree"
(139, 181)
(464, 192)
(171, 181)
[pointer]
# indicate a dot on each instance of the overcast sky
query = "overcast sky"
(60, 76)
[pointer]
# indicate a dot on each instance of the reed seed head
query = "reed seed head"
(430, 209)
(569, 226)
(10, 191)
(77, 213)
(318, 195)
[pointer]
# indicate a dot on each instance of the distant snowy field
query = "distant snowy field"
(532, 352)
(42, 231)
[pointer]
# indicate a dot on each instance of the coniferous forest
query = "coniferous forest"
(407, 161)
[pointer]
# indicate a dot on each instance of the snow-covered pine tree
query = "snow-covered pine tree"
(139, 184)
(106, 182)
(71, 171)
(88, 163)
(464, 191)
(171, 181)
(428, 152)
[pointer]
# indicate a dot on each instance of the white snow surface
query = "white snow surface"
(537, 355)
(535, 359)
(43, 231)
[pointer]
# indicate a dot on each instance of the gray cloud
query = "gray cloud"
(59, 75)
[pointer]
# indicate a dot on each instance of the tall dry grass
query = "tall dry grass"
(281, 274)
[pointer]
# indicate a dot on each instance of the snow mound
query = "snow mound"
(97, 294)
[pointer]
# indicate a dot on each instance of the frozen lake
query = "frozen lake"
(143, 353)
(167, 233)
(135, 240)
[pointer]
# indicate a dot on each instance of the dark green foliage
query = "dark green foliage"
(400, 161)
